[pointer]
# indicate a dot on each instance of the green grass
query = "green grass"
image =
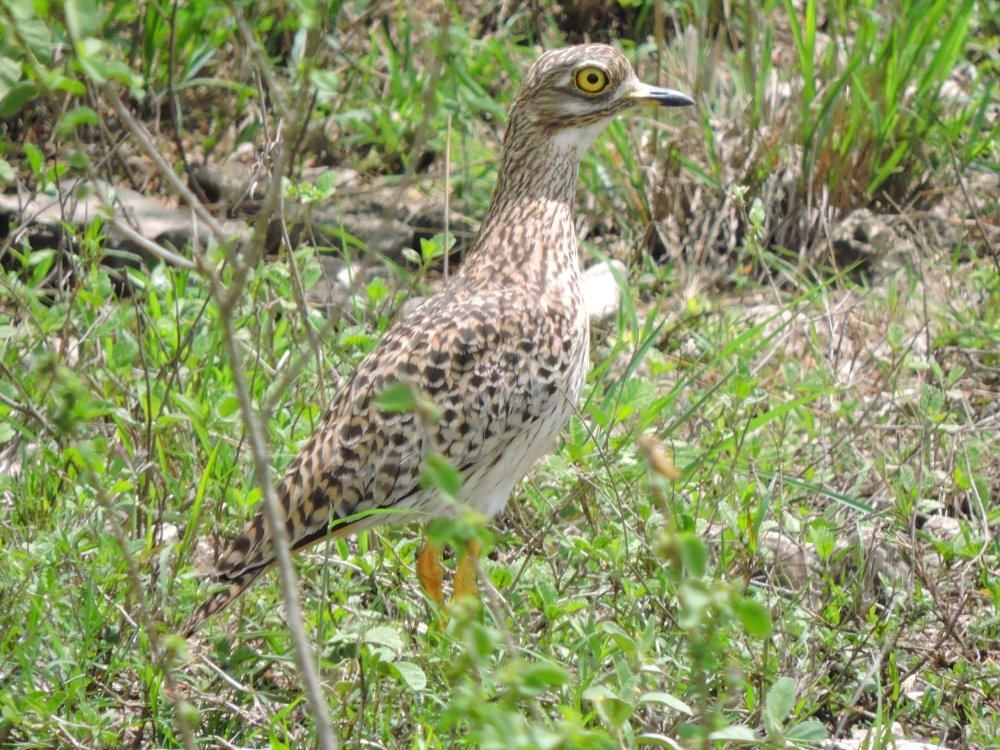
(634, 608)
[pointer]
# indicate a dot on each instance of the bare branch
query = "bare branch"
(263, 67)
(167, 256)
(160, 655)
(144, 139)
(255, 431)
(282, 551)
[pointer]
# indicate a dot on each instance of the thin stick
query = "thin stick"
(275, 89)
(447, 193)
(275, 524)
(175, 105)
(492, 599)
(282, 551)
(27, 407)
(167, 256)
(149, 146)
(156, 646)
(226, 304)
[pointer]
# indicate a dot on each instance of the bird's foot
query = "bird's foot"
(467, 575)
(431, 572)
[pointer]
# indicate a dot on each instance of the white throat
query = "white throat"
(579, 139)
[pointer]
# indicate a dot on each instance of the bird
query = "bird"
(501, 349)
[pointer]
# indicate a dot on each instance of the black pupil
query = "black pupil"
(593, 79)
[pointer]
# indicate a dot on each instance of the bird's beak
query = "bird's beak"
(646, 94)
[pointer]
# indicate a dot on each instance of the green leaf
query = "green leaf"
(377, 289)
(735, 733)
(41, 270)
(355, 336)
(889, 167)
(64, 83)
(820, 490)
(666, 699)
(10, 74)
(597, 693)
(755, 619)
(432, 248)
(78, 159)
(17, 97)
(229, 406)
(396, 397)
(695, 603)
(383, 636)
(35, 157)
(808, 731)
(410, 674)
(638, 393)
(480, 642)
(6, 171)
(660, 740)
(545, 675)
(622, 639)
(693, 554)
(609, 706)
(191, 714)
(76, 116)
(85, 455)
(326, 82)
(440, 473)
(781, 699)
(125, 351)
(82, 19)
(97, 59)
(308, 15)
(32, 29)
(326, 183)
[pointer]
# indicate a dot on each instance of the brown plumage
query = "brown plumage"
(501, 349)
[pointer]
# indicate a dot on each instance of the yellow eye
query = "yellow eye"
(591, 80)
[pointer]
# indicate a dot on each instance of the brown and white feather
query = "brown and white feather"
(502, 348)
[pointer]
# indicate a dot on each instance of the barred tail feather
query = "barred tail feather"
(221, 599)
(239, 580)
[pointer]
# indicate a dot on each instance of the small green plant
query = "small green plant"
(710, 614)
(782, 730)
(625, 608)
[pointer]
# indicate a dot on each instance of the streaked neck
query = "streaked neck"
(528, 234)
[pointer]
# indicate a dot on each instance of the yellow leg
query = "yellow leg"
(466, 578)
(431, 572)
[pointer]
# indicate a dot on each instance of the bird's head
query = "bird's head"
(571, 94)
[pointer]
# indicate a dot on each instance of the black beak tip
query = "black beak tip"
(668, 98)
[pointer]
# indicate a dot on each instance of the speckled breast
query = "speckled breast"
(539, 366)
